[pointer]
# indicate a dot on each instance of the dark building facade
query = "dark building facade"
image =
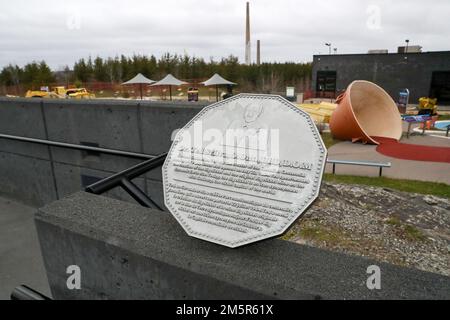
(424, 74)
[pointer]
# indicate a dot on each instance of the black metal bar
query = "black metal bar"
(134, 172)
(122, 179)
(79, 147)
(138, 194)
(26, 293)
(448, 130)
(360, 163)
(334, 168)
(381, 172)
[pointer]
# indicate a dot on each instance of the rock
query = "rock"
(382, 224)
(432, 201)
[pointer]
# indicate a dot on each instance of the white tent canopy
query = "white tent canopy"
(139, 79)
(217, 80)
(169, 80)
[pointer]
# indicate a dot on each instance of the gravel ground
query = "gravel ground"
(401, 228)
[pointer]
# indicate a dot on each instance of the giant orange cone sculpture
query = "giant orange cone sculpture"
(365, 111)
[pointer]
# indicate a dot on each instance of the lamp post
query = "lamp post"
(329, 47)
(335, 50)
(407, 46)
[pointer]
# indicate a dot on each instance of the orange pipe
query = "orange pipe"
(366, 111)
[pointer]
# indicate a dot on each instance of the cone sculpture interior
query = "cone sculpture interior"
(365, 111)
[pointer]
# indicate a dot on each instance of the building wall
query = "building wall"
(392, 72)
(37, 175)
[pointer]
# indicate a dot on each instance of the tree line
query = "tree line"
(266, 77)
(32, 74)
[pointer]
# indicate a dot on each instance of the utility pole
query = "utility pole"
(329, 47)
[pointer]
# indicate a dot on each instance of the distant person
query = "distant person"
(229, 93)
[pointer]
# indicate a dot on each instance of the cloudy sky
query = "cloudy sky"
(290, 30)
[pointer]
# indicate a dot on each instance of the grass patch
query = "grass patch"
(394, 222)
(427, 188)
(328, 236)
(444, 117)
(414, 234)
(319, 234)
(410, 232)
(328, 139)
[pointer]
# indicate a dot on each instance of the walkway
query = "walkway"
(401, 169)
(20, 254)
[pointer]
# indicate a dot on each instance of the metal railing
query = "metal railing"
(78, 147)
(26, 293)
(360, 163)
(124, 179)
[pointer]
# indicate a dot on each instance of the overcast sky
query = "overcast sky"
(60, 32)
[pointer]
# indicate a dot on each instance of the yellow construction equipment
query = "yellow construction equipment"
(60, 93)
(42, 94)
(79, 93)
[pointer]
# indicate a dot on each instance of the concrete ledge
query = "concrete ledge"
(129, 252)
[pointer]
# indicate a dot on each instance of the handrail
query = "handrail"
(123, 179)
(26, 293)
(78, 147)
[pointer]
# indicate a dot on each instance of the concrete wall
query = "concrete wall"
(37, 175)
(126, 251)
(392, 72)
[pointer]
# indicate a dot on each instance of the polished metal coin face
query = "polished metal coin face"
(244, 170)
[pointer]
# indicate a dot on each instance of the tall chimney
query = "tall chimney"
(258, 52)
(248, 54)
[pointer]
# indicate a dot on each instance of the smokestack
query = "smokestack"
(248, 54)
(258, 52)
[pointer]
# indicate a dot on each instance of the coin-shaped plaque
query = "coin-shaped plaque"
(244, 170)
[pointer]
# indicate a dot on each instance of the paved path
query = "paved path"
(401, 169)
(20, 254)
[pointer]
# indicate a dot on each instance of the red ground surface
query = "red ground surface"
(394, 149)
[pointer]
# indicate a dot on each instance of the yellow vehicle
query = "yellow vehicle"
(42, 93)
(79, 93)
(60, 93)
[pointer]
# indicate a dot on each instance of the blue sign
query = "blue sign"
(403, 100)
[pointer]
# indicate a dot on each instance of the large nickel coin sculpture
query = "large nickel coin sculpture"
(244, 170)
